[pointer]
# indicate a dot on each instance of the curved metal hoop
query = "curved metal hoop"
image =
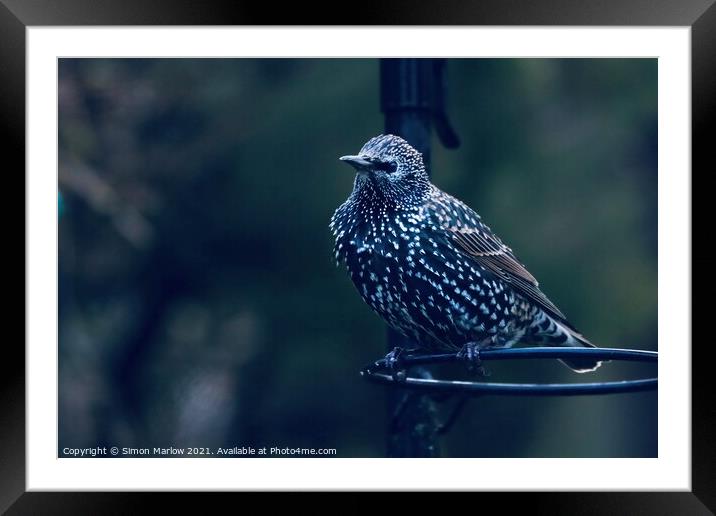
(379, 373)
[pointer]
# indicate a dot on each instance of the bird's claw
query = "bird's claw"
(470, 355)
(394, 364)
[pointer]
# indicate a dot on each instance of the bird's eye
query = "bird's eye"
(386, 166)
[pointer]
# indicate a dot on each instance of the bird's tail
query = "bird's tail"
(579, 364)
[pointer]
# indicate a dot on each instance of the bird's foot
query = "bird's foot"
(394, 364)
(470, 355)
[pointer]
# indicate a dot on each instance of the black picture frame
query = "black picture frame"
(17, 15)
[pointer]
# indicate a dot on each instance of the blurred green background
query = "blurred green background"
(199, 301)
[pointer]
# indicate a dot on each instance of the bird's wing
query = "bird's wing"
(487, 250)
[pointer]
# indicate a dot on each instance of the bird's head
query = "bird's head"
(390, 166)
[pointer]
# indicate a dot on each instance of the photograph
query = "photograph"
(444, 250)
(357, 257)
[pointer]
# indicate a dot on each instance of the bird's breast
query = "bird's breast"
(418, 283)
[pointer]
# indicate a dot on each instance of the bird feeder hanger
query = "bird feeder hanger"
(412, 97)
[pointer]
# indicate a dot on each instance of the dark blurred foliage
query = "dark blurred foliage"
(199, 303)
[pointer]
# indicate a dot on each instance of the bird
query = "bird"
(429, 266)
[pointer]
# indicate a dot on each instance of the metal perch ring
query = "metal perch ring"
(379, 372)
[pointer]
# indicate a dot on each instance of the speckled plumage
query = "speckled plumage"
(428, 265)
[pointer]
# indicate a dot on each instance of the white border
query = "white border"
(670, 471)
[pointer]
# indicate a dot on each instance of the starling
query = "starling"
(428, 265)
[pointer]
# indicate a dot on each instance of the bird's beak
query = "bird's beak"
(357, 162)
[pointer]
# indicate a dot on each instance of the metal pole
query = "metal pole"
(411, 97)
